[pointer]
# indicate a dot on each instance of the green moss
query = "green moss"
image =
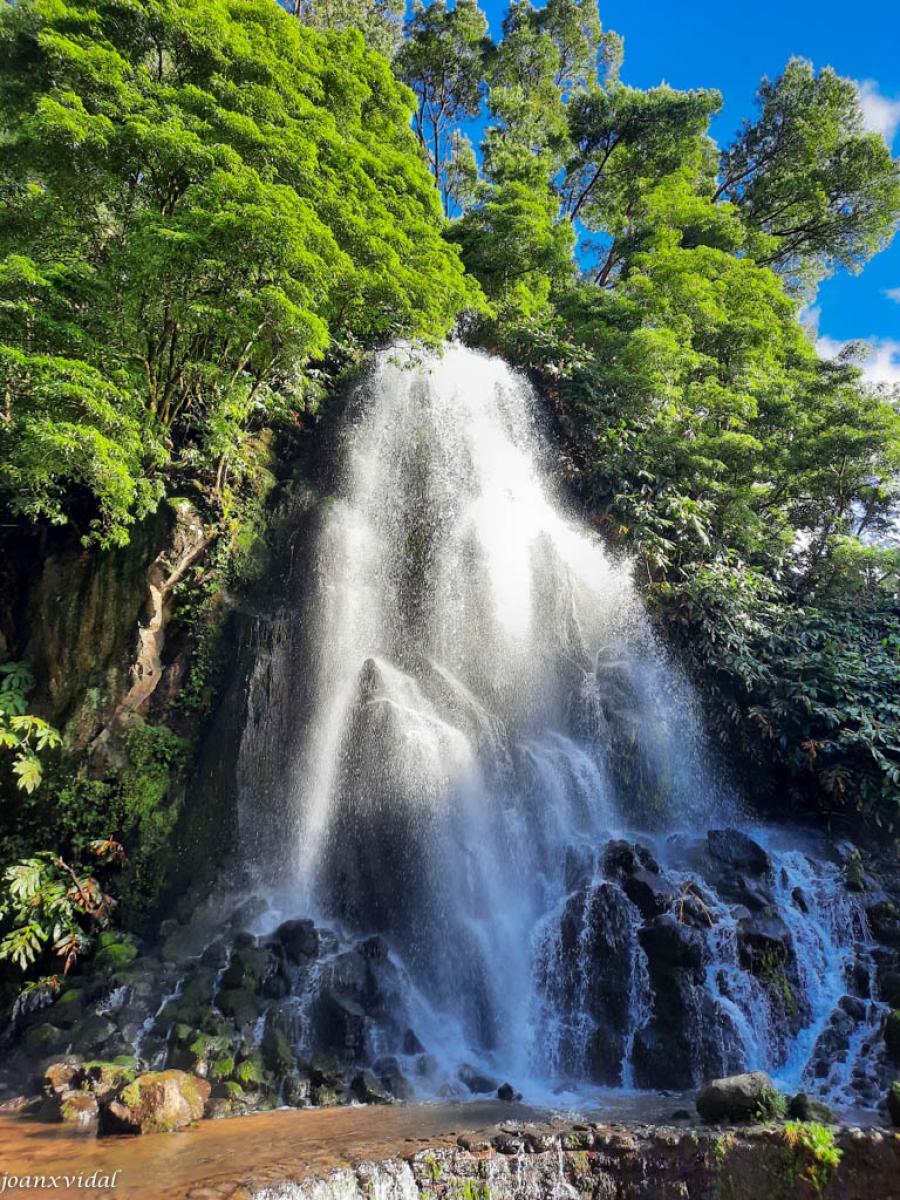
(250, 1072)
(222, 1068)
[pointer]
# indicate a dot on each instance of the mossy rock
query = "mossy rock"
(239, 1004)
(326, 1071)
(278, 1053)
(158, 1102)
(893, 1102)
(115, 956)
(69, 1008)
(45, 1039)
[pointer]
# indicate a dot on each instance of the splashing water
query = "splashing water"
(483, 709)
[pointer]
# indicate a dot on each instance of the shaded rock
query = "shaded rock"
(411, 1044)
(734, 849)
(388, 1072)
(156, 1103)
(476, 1081)
(892, 1036)
(806, 1108)
(46, 1039)
(369, 1090)
(341, 1025)
(735, 1098)
(893, 1102)
(299, 939)
(507, 1093)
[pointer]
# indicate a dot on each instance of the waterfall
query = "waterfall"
(494, 777)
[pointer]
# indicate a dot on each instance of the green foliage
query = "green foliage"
(809, 178)
(197, 200)
(48, 911)
(817, 1144)
(772, 1105)
(379, 21)
(20, 732)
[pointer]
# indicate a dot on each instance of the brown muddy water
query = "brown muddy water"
(229, 1159)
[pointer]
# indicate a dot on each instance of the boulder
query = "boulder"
(507, 1093)
(156, 1103)
(735, 1098)
(806, 1108)
(734, 849)
(369, 1090)
(300, 941)
(476, 1081)
(387, 1069)
(893, 1102)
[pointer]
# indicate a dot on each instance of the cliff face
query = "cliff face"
(93, 623)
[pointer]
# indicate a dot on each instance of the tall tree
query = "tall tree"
(444, 59)
(807, 175)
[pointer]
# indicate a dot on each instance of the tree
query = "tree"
(626, 142)
(379, 21)
(546, 56)
(198, 200)
(807, 176)
(444, 59)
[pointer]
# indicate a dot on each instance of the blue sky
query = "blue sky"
(730, 46)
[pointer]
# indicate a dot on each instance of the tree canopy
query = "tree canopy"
(198, 199)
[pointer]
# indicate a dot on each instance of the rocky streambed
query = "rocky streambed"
(478, 1151)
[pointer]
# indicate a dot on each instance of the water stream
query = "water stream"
(493, 765)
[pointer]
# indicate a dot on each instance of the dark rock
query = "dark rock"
(764, 942)
(621, 859)
(340, 1023)
(736, 1098)
(476, 1081)
(387, 1069)
(507, 1093)
(247, 968)
(411, 1044)
(97, 1036)
(681, 1114)
(734, 849)
(46, 1039)
(884, 923)
(368, 1090)
(893, 1102)
(299, 939)
(892, 1036)
(240, 1004)
(586, 976)
(806, 1108)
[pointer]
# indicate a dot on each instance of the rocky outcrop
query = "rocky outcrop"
(614, 1163)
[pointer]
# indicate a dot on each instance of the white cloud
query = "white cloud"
(882, 365)
(880, 113)
(893, 294)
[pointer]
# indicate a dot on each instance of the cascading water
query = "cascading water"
(491, 765)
